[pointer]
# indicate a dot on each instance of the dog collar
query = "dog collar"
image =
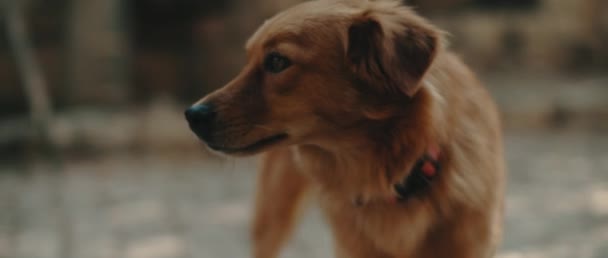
(421, 176)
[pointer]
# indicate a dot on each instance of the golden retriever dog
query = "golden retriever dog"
(361, 105)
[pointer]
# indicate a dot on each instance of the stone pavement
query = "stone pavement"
(170, 206)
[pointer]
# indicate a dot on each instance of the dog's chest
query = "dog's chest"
(350, 180)
(394, 228)
(357, 200)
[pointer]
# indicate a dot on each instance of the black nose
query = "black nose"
(199, 115)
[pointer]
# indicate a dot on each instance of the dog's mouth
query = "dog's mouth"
(254, 147)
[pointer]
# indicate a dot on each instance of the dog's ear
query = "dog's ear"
(394, 57)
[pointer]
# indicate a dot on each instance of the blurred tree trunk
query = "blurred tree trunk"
(98, 53)
(34, 84)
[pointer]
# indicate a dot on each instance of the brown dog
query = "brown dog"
(361, 103)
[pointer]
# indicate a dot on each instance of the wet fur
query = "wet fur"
(372, 86)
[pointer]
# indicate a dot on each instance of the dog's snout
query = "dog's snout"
(200, 118)
(199, 114)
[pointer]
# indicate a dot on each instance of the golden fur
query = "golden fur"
(370, 87)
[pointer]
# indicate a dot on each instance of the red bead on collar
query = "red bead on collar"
(422, 174)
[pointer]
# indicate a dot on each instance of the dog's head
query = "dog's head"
(316, 70)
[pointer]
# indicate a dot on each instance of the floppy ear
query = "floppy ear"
(394, 60)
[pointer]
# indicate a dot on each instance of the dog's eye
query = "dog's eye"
(276, 63)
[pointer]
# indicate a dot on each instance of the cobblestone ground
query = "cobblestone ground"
(153, 206)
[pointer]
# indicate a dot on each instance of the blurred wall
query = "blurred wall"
(113, 53)
(558, 36)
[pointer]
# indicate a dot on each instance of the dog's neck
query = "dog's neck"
(383, 153)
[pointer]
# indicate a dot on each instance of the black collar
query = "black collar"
(426, 169)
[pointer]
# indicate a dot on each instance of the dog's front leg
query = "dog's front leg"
(281, 190)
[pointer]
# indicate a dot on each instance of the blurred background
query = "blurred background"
(96, 159)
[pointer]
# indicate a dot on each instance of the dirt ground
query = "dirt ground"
(152, 205)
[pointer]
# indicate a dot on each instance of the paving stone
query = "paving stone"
(9, 183)
(150, 205)
(158, 246)
(5, 245)
(37, 243)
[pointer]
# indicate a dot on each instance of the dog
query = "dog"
(361, 105)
